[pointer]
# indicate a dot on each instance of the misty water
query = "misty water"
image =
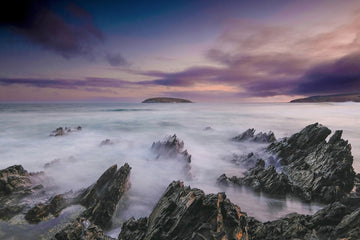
(25, 140)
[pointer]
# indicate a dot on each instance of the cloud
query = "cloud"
(339, 76)
(90, 84)
(116, 60)
(37, 22)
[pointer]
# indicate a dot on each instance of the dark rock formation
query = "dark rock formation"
(60, 131)
(309, 167)
(249, 135)
(102, 198)
(335, 221)
(166, 100)
(82, 229)
(172, 148)
(15, 184)
(263, 179)
(185, 213)
(208, 128)
(352, 97)
(320, 170)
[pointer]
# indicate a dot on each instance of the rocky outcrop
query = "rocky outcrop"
(82, 229)
(335, 221)
(166, 100)
(15, 184)
(102, 198)
(249, 135)
(172, 148)
(305, 165)
(263, 179)
(60, 131)
(185, 213)
(320, 170)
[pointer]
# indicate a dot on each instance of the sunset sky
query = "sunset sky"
(206, 51)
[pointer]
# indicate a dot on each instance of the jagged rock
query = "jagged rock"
(249, 135)
(185, 213)
(263, 179)
(82, 229)
(14, 179)
(102, 198)
(335, 221)
(319, 170)
(173, 148)
(60, 131)
(106, 142)
(54, 206)
(249, 160)
(15, 184)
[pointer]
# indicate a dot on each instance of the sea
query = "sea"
(78, 159)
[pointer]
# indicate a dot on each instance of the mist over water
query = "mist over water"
(25, 129)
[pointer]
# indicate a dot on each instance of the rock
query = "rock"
(60, 131)
(185, 213)
(52, 163)
(319, 170)
(166, 100)
(82, 229)
(249, 135)
(208, 128)
(173, 148)
(106, 142)
(261, 179)
(15, 179)
(102, 198)
(37, 213)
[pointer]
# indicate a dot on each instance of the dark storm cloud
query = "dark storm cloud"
(73, 36)
(339, 76)
(116, 60)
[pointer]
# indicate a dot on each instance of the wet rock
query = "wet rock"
(60, 131)
(173, 148)
(208, 128)
(335, 221)
(185, 213)
(82, 229)
(52, 163)
(317, 169)
(106, 142)
(14, 179)
(102, 198)
(263, 179)
(249, 135)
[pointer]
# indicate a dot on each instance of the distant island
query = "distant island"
(166, 100)
(352, 97)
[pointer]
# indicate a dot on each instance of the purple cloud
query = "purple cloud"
(116, 60)
(35, 21)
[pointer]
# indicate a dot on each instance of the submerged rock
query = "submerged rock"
(82, 229)
(249, 135)
(185, 213)
(60, 131)
(106, 142)
(172, 148)
(102, 198)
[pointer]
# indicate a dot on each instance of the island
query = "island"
(351, 97)
(166, 100)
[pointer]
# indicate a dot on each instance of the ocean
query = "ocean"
(78, 159)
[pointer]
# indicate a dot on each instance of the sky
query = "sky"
(202, 50)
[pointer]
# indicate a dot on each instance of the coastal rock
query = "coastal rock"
(172, 148)
(249, 135)
(320, 170)
(82, 229)
(102, 198)
(335, 221)
(60, 131)
(166, 100)
(185, 213)
(15, 184)
(263, 179)
(106, 142)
